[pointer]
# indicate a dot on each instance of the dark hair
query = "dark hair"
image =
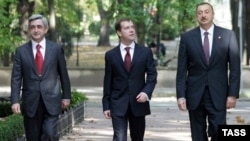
(118, 23)
(204, 3)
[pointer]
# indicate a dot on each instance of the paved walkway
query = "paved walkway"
(166, 122)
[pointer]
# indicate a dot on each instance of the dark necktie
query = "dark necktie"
(206, 47)
(39, 60)
(127, 59)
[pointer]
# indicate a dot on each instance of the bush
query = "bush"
(77, 97)
(11, 127)
(5, 108)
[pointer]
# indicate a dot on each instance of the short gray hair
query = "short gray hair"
(38, 16)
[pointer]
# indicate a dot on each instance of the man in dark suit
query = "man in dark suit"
(46, 90)
(127, 91)
(207, 87)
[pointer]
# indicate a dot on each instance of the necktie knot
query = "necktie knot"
(206, 33)
(38, 47)
(127, 49)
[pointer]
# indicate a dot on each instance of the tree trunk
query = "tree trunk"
(6, 59)
(247, 30)
(104, 33)
(105, 17)
(141, 32)
(52, 21)
(25, 9)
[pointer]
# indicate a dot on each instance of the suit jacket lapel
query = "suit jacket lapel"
(136, 55)
(198, 43)
(31, 57)
(47, 58)
(118, 56)
(216, 39)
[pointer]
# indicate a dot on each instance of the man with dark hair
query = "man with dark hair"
(208, 74)
(130, 78)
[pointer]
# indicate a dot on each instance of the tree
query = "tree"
(245, 41)
(52, 20)
(25, 9)
(8, 32)
(187, 14)
(247, 30)
(105, 16)
(138, 12)
(114, 9)
(14, 23)
(65, 24)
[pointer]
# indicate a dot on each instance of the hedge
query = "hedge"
(11, 125)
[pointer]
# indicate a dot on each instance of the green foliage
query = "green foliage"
(11, 127)
(5, 108)
(94, 28)
(187, 14)
(74, 17)
(172, 18)
(69, 23)
(8, 23)
(77, 97)
(169, 30)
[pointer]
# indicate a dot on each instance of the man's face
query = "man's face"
(205, 15)
(37, 30)
(127, 32)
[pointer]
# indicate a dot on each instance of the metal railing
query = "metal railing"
(70, 118)
(67, 120)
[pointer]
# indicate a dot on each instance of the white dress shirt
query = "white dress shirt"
(131, 51)
(42, 49)
(210, 37)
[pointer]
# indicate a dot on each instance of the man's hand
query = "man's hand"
(231, 102)
(182, 104)
(107, 114)
(142, 97)
(65, 103)
(16, 108)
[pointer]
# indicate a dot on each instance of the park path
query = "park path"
(166, 122)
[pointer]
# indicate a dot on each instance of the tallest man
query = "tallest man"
(207, 85)
(44, 86)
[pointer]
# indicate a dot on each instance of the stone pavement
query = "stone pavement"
(166, 122)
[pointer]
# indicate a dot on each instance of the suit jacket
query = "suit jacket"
(122, 87)
(222, 75)
(53, 85)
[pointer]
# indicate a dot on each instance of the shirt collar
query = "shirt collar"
(42, 43)
(210, 30)
(122, 46)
